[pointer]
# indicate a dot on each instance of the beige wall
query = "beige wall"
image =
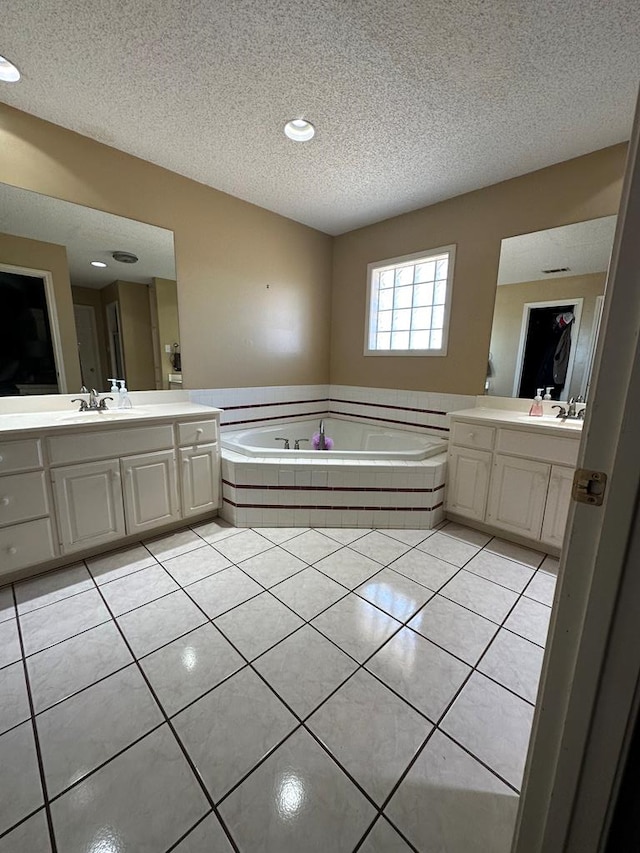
(580, 189)
(166, 296)
(236, 331)
(507, 324)
(49, 257)
(135, 329)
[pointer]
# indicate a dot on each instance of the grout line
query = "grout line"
(167, 720)
(36, 736)
(192, 829)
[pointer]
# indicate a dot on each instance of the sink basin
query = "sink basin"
(101, 416)
(552, 420)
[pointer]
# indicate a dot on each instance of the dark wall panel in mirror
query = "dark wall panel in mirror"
(104, 314)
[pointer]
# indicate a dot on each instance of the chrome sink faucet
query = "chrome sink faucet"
(95, 404)
(571, 413)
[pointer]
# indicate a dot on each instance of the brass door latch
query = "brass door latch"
(589, 487)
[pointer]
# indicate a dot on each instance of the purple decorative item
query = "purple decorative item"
(315, 441)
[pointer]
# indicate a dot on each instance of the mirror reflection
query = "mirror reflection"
(548, 309)
(85, 296)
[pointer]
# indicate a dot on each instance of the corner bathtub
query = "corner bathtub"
(351, 440)
(374, 477)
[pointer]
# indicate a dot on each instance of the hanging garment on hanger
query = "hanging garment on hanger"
(561, 356)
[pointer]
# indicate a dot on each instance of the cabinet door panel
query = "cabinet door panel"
(557, 508)
(88, 501)
(468, 482)
(150, 490)
(518, 495)
(200, 479)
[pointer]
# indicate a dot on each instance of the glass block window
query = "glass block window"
(408, 305)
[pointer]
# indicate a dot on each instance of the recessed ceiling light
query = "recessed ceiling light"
(8, 71)
(100, 264)
(299, 130)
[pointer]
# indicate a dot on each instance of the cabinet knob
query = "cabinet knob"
(1, 458)
(472, 435)
(12, 550)
(5, 501)
(199, 431)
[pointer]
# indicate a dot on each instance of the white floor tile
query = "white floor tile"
(53, 586)
(482, 596)
(348, 567)
(493, 724)
(215, 530)
(9, 642)
(195, 565)
(422, 673)
(243, 545)
(165, 547)
(155, 776)
(14, 703)
(449, 549)
(7, 608)
(345, 535)
(224, 590)
(207, 837)
(519, 553)
(63, 669)
(449, 802)
(258, 624)
(278, 535)
(135, 590)
(309, 592)
(30, 836)
(514, 662)
(356, 626)
(397, 595)
(19, 776)
(383, 549)
(372, 733)
(542, 588)
(231, 729)
(64, 619)
(311, 546)
(117, 564)
(154, 624)
(425, 569)
(494, 568)
(458, 630)
(384, 839)
(298, 793)
(465, 534)
(273, 566)
(530, 620)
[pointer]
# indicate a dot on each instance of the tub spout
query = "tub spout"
(322, 444)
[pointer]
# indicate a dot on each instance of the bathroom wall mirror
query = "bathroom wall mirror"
(84, 296)
(548, 308)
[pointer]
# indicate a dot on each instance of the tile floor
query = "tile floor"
(274, 690)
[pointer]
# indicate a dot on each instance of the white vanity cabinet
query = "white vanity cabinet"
(89, 507)
(468, 486)
(26, 531)
(514, 478)
(74, 490)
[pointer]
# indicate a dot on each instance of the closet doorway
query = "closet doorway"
(547, 348)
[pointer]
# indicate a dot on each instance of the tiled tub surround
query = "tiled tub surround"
(287, 491)
(273, 690)
(347, 440)
(418, 411)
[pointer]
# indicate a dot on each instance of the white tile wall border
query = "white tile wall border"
(415, 411)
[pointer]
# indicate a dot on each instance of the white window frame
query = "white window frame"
(377, 266)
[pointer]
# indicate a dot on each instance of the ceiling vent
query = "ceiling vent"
(125, 257)
(548, 272)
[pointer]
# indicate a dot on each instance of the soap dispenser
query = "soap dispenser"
(114, 385)
(547, 394)
(125, 400)
(536, 410)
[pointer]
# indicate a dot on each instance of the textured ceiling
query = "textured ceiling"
(414, 100)
(584, 247)
(89, 235)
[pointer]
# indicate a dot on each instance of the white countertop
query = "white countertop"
(14, 423)
(548, 424)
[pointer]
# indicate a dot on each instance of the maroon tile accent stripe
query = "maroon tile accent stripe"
(327, 488)
(392, 420)
(337, 508)
(387, 406)
(323, 413)
(279, 403)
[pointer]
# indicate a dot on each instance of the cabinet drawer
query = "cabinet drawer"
(23, 496)
(20, 455)
(545, 448)
(472, 435)
(197, 432)
(86, 446)
(26, 545)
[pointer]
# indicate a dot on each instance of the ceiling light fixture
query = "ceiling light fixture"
(100, 264)
(125, 257)
(299, 130)
(8, 71)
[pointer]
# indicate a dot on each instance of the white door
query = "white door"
(200, 479)
(556, 511)
(88, 502)
(468, 477)
(150, 490)
(88, 350)
(518, 495)
(588, 700)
